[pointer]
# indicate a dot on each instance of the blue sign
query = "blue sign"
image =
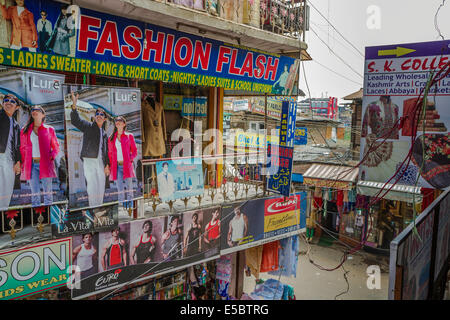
(301, 136)
(91, 42)
(194, 107)
(281, 157)
(287, 124)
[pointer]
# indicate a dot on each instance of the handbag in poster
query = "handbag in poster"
(32, 162)
(104, 145)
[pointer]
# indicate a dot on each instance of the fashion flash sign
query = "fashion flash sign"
(91, 42)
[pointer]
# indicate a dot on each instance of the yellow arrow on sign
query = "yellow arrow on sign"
(399, 51)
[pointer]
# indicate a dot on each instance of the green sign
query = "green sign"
(36, 268)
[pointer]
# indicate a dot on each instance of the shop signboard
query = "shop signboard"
(301, 136)
(241, 105)
(34, 268)
(96, 176)
(418, 258)
(179, 179)
(273, 107)
(443, 237)
(25, 183)
(172, 102)
(194, 107)
(253, 140)
(251, 223)
(146, 248)
(91, 42)
(65, 222)
(281, 156)
(394, 79)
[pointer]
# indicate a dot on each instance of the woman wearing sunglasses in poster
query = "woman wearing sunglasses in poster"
(9, 149)
(39, 148)
(122, 151)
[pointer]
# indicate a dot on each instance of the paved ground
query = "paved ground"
(312, 283)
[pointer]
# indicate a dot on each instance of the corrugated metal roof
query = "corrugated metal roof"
(329, 172)
(396, 187)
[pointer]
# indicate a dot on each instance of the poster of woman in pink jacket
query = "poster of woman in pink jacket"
(39, 148)
(122, 151)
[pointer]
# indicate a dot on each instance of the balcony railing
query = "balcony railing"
(284, 17)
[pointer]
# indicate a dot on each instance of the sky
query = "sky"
(363, 23)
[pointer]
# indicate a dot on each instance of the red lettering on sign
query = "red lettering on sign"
(109, 40)
(247, 67)
(370, 66)
(132, 49)
(233, 69)
(86, 33)
(260, 66)
(272, 67)
(179, 60)
(201, 55)
(157, 46)
(223, 51)
(169, 49)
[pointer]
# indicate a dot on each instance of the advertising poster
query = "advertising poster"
(301, 136)
(179, 179)
(73, 39)
(142, 249)
(32, 269)
(195, 107)
(416, 261)
(251, 223)
(65, 222)
(172, 102)
(31, 177)
(102, 167)
(395, 76)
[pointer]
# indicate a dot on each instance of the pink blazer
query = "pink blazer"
(48, 147)
(129, 152)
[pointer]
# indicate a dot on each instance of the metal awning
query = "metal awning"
(330, 176)
(398, 192)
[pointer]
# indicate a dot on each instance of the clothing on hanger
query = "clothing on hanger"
(154, 130)
(288, 257)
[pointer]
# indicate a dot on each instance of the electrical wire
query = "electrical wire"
(436, 25)
(334, 53)
(337, 73)
(343, 37)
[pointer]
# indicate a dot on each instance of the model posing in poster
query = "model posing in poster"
(212, 230)
(85, 256)
(114, 253)
(39, 148)
(23, 32)
(193, 239)
(9, 149)
(121, 151)
(144, 249)
(94, 152)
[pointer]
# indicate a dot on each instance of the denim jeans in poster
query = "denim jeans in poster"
(36, 188)
(121, 185)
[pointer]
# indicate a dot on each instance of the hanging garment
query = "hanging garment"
(253, 258)
(269, 261)
(154, 130)
(326, 194)
(288, 257)
(317, 192)
(345, 195)
(352, 195)
(428, 197)
(318, 202)
(340, 198)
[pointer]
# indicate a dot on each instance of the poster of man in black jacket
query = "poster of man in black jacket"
(94, 152)
(9, 149)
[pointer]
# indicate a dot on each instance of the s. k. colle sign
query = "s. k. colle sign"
(34, 268)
